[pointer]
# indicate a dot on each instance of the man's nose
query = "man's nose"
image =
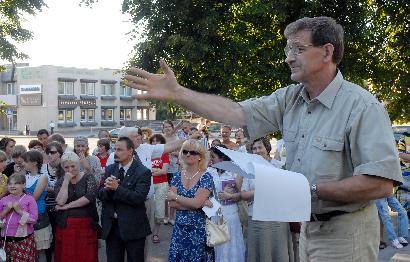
(290, 57)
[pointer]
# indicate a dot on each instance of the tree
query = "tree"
(235, 47)
(11, 30)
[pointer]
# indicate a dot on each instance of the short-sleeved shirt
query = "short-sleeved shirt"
(85, 187)
(159, 163)
(341, 133)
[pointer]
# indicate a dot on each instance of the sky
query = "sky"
(66, 34)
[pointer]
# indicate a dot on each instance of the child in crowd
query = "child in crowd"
(18, 212)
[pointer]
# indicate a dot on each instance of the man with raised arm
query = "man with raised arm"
(336, 134)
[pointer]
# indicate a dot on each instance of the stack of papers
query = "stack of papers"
(280, 195)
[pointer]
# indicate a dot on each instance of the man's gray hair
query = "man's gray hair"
(126, 131)
(323, 30)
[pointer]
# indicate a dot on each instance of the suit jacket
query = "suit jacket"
(128, 201)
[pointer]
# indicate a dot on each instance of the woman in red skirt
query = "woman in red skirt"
(77, 219)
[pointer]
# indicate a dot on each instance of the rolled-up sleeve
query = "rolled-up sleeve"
(264, 115)
(373, 150)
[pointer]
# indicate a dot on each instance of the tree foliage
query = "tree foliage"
(11, 30)
(235, 47)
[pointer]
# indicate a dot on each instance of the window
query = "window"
(107, 114)
(107, 89)
(141, 92)
(143, 114)
(88, 89)
(65, 116)
(125, 91)
(125, 114)
(87, 115)
(10, 89)
(66, 88)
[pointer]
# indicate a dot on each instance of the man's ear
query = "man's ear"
(328, 52)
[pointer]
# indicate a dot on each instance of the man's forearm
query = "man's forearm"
(358, 188)
(212, 107)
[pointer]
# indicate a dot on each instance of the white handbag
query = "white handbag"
(217, 233)
(3, 256)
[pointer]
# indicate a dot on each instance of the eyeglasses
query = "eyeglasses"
(191, 152)
(52, 152)
(295, 49)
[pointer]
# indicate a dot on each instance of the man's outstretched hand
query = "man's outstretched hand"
(157, 86)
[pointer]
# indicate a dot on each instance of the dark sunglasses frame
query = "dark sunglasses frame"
(51, 152)
(191, 152)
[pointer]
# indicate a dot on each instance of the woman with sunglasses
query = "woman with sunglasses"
(266, 241)
(54, 151)
(189, 192)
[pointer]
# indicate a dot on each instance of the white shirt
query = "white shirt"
(145, 153)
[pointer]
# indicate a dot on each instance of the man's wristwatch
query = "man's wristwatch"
(313, 191)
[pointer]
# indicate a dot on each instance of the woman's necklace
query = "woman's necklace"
(190, 178)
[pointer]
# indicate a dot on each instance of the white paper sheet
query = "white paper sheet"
(280, 195)
(212, 211)
(241, 162)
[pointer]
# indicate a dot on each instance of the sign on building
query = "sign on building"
(30, 89)
(31, 100)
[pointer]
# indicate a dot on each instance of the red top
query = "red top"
(103, 160)
(158, 163)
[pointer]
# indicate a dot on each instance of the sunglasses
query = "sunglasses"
(52, 152)
(191, 152)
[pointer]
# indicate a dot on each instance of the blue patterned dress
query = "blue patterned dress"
(188, 243)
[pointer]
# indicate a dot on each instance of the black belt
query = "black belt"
(16, 239)
(326, 216)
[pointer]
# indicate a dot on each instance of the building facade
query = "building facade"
(71, 98)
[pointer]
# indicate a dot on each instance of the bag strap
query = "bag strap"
(8, 222)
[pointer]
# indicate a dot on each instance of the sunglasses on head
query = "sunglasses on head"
(191, 152)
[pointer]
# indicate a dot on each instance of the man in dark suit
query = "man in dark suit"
(124, 221)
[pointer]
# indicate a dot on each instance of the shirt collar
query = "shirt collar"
(127, 166)
(328, 95)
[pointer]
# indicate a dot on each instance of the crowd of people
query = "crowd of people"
(57, 201)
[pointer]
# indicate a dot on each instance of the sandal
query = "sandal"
(155, 239)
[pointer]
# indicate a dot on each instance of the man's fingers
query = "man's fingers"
(135, 79)
(167, 70)
(139, 72)
(141, 96)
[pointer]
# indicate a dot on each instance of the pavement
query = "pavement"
(159, 252)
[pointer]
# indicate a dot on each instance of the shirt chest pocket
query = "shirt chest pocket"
(326, 157)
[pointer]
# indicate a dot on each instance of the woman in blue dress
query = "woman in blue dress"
(189, 192)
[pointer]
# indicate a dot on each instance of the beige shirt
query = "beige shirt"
(341, 133)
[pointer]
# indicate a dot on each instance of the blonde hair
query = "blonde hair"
(70, 157)
(196, 145)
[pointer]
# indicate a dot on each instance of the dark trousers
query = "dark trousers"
(115, 247)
